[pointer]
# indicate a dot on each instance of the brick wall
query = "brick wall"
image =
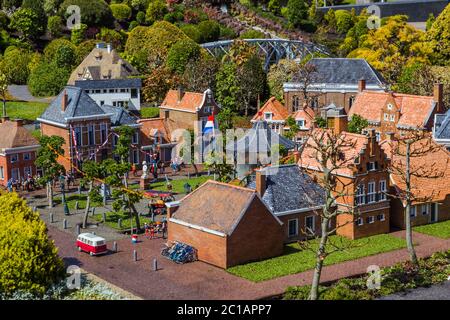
(325, 99)
(21, 164)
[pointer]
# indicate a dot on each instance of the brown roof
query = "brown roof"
(306, 114)
(110, 65)
(435, 188)
(151, 126)
(355, 143)
(278, 110)
(13, 135)
(190, 101)
(215, 206)
(414, 110)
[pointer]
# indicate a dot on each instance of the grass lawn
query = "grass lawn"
(294, 260)
(440, 229)
(25, 110)
(113, 217)
(149, 112)
(73, 198)
(178, 185)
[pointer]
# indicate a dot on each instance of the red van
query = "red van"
(91, 243)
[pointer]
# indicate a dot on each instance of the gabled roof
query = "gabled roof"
(79, 104)
(259, 139)
(415, 111)
(215, 206)
(120, 116)
(278, 110)
(305, 113)
(109, 83)
(442, 126)
(156, 125)
(190, 102)
(14, 135)
(288, 188)
(353, 147)
(435, 188)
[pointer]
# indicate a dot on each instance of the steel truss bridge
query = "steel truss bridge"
(272, 50)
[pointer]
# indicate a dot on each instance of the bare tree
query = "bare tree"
(410, 174)
(328, 153)
(306, 76)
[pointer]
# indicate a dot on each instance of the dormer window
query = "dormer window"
(268, 115)
(301, 123)
(389, 106)
(392, 117)
(386, 117)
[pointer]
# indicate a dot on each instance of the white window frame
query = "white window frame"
(359, 221)
(390, 106)
(2, 173)
(371, 219)
(383, 190)
(427, 209)
(386, 117)
(371, 194)
(383, 217)
(360, 194)
(289, 228)
(313, 229)
(392, 118)
(301, 123)
(372, 166)
(268, 115)
(413, 212)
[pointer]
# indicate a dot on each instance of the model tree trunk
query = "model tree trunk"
(320, 257)
(88, 206)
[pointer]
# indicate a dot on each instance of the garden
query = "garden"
(296, 260)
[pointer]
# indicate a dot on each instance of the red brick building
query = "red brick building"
(17, 151)
(228, 225)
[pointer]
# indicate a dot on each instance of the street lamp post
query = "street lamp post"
(63, 195)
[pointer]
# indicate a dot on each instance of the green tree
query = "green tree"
(293, 128)
(54, 26)
(37, 6)
(29, 261)
(297, 12)
(78, 34)
(431, 19)
(280, 73)
(200, 74)
(344, 21)
(159, 81)
(4, 82)
(439, 36)
(275, 6)
(120, 11)
(209, 30)
(227, 87)
(16, 64)
(26, 22)
(320, 122)
(155, 11)
(357, 124)
(93, 12)
(181, 53)
(48, 79)
(47, 159)
(192, 32)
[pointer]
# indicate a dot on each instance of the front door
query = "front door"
(434, 212)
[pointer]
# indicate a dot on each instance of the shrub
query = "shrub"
(140, 17)
(54, 26)
(209, 30)
(120, 11)
(133, 24)
(83, 49)
(116, 38)
(297, 11)
(15, 64)
(180, 54)
(28, 259)
(52, 48)
(93, 12)
(78, 35)
(65, 57)
(26, 22)
(344, 21)
(192, 32)
(156, 11)
(227, 33)
(252, 34)
(48, 79)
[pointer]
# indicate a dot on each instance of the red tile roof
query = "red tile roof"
(13, 135)
(278, 110)
(351, 149)
(435, 188)
(306, 114)
(189, 102)
(414, 110)
(150, 126)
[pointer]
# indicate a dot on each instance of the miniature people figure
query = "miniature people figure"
(144, 170)
(164, 228)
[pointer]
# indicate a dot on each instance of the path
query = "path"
(200, 281)
(22, 93)
(436, 292)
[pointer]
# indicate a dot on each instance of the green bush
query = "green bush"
(155, 11)
(209, 30)
(120, 11)
(181, 53)
(48, 79)
(227, 33)
(308, 26)
(65, 57)
(140, 17)
(54, 26)
(28, 259)
(93, 12)
(52, 48)
(133, 24)
(192, 32)
(116, 38)
(83, 49)
(344, 21)
(16, 64)
(252, 34)
(79, 35)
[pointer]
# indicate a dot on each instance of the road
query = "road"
(436, 292)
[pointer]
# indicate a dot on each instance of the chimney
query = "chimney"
(260, 182)
(171, 208)
(372, 141)
(361, 85)
(109, 47)
(438, 93)
(180, 93)
(64, 101)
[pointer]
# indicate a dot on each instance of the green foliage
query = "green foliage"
(320, 122)
(344, 21)
(297, 12)
(293, 128)
(209, 30)
(357, 124)
(28, 259)
(93, 12)
(83, 49)
(79, 34)
(48, 79)
(27, 23)
(192, 32)
(252, 34)
(51, 50)
(16, 64)
(227, 87)
(116, 38)
(280, 73)
(47, 156)
(227, 33)
(431, 19)
(54, 26)
(439, 36)
(181, 53)
(149, 112)
(120, 11)
(65, 57)
(274, 6)
(156, 11)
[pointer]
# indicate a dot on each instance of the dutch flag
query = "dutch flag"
(209, 126)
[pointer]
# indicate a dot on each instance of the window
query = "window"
(14, 158)
(370, 219)
(425, 209)
(27, 156)
(360, 196)
(27, 171)
(389, 106)
(103, 135)
(371, 192)
(412, 212)
(135, 156)
(2, 174)
(91, 136)
(78, 140)
(268, 116)
(359, 221)
(382, 190)
(378, 136)
(386, 117)
(98, 91)
(350, 101)
(392, 117)
(301, 123)
(295, 103)
(135, 139)
(15, 173)
(293, 228)
(310, 225)
(123, 90)
(371, 166)
(102, 103)
(134, 93)
(381, 217)
(112, 91)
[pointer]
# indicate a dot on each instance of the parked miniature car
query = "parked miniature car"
(91, 243)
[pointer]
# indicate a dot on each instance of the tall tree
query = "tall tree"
(4, 82)
(47, 159)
